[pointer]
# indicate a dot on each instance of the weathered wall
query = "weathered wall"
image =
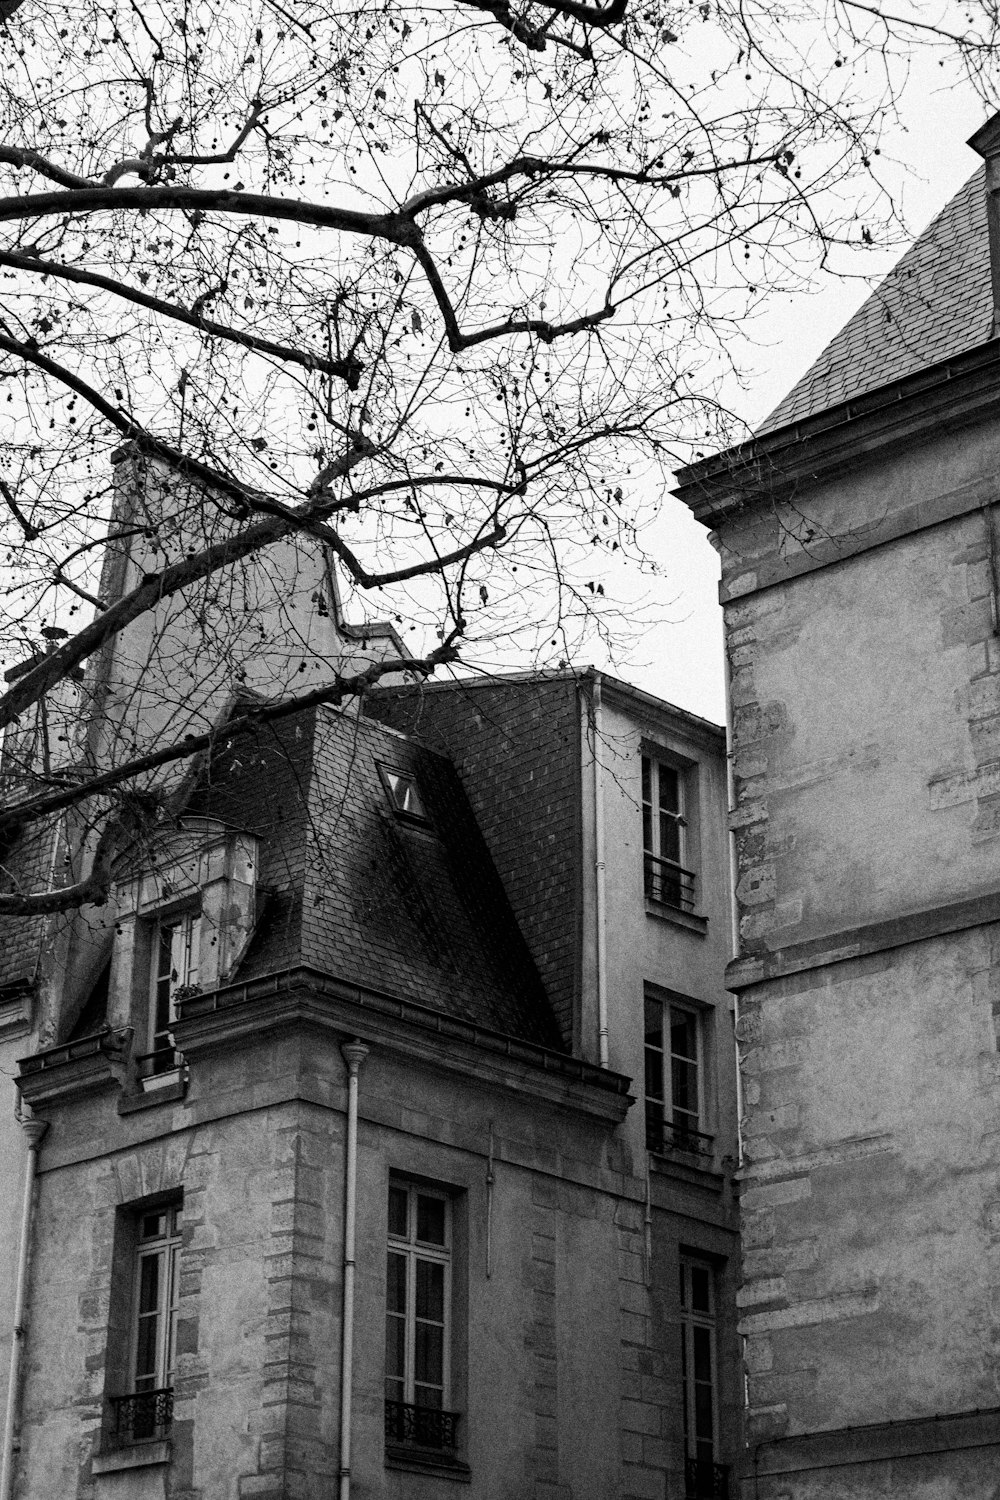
(560, 1333)
(867, 763)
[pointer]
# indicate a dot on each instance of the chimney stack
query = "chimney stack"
(986, 142)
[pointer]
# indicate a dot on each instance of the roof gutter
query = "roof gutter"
(951, 394)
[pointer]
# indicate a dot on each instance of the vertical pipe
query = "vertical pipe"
(734, 916)
(648, 1227)
(34, 1130)
(489, 1208)
(354, 1055)
(603, 1050)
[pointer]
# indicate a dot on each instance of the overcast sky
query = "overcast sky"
(681, 659)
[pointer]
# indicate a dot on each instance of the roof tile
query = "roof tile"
(935, 303)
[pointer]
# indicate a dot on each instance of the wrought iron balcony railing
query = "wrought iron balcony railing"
(421, 1426)
(143, 1417)
(668, 883)
(704, 1480)
(665, 1138)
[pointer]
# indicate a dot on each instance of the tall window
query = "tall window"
(665, 878)
(705, 1479)
(674, 1077)
(146, 1412)
(418, 1318)
(174, 967)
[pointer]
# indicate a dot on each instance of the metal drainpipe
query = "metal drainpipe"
(602, 957)
(734, 917)
(354, 1055)
(34, 1130)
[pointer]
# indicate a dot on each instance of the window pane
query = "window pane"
(430, 1220)
(429, 1354)
(647, 771)
(702, 1340)
(395, 1349)
(395, 1292)
(703, 1429)
(683, 1034)
(654, 1125)
(653, 1014)
(430, 1290)
(398, 1200)
(684, 1087)
(670, 840)
(654, 1074)
(701, 1289)
(152, 1227)
(149, 1283)
(669, 789)
(145, 1354)
(426, 1395)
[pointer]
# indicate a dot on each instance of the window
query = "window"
(418, 1319)
(174, 971)
(146, 1412)
(664, 836)
(674, 1077)
(704, 1478)
(404, 794)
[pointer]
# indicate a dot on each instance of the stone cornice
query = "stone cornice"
(305, 996)
(878, 1442)
(858, 942)
(954, 394)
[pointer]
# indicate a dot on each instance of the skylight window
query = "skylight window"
(403, 793)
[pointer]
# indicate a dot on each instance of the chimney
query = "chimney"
(986, 142)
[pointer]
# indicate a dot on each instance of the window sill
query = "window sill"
(689, 1167)
(135, 1456)
(167, 1093)
(424, 1461)
(688, 919)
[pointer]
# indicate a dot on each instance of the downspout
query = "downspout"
(602, 957)
(34, 1130)
(354, 1055)
(734, 917)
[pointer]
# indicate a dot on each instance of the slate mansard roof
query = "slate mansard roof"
(415, 911)
(936, 303)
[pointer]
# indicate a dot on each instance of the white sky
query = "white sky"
(681, 658)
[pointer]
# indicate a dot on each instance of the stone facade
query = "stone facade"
(567, 1235)
(860, 594)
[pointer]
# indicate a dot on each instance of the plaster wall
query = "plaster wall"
(647, 944)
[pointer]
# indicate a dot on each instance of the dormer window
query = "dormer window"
(174, 971)
(185, 917)
(403, 792)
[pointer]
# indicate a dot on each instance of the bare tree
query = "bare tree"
(429, 291)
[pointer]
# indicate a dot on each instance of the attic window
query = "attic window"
(403, 793)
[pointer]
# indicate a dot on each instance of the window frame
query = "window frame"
(414, 1430)
(188, 923)
(670, 874)
(664, 1131)
(165, 1249)
(161, 1065)
(137, 1416)
(700, 1452)
(416, 815)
